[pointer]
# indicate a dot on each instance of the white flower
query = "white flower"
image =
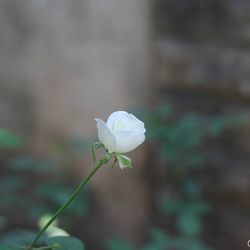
(122, 133)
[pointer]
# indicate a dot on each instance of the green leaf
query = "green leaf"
(191, 188)
(189, 223)
(44, 219)
(173, 206)
(53, 230)
(10, 248)
(17, 237)
(115, 244)
(22, 164)
(65, 243)
(124, 161)
(163, 110)
(9, 139)
(11, 183)
(159, 240)
(217, 127)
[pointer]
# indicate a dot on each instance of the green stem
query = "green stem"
(65, 205)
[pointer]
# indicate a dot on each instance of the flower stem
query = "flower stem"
(66, 204)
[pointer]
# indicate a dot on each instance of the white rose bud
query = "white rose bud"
(122, 133)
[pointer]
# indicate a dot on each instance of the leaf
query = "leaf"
(9, 139)
(173, 206)
(218, 125)
(17, 237)
(189, 223)
(11, 183)
(22, 164)
(10, 248)
(191, 188)
(163, 110)
(65, 243)
(56, 231)
(124, 161)
(44, 219)
(159, 240)
(115, 244)
(53, 230)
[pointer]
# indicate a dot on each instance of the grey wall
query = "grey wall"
(72, 61)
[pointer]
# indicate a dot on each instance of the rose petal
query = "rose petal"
(127, 141)
(138, 125)
(114, 117)
(105, 135)
(121, 120)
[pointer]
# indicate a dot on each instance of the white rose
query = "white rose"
(122, 133)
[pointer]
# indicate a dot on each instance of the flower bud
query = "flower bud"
(122, 133)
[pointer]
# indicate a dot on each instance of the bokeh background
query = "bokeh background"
(181, 66)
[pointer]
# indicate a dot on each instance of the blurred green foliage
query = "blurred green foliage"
(114, 244)
(181, 148)
(182, 139)
(181, 142)
(30, 188)
(43, 182)
(65, 243)
(9, 139)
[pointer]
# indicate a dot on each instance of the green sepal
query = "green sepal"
(124, 161)
(107, 157)
(95, 147)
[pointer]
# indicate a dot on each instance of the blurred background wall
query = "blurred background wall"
(64, 63)
(202, 66)
(73, 57)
